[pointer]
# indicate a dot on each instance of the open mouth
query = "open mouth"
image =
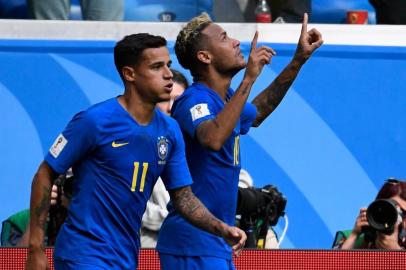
(169, 87)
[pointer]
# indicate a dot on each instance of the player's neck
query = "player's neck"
(139, 109)
(217, 82)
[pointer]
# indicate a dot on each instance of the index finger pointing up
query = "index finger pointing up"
(254, 41)
(304, 24)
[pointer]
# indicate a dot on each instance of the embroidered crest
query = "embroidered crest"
(162, 149)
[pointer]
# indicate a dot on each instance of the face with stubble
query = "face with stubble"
(225, 53)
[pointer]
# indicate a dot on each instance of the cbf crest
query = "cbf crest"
(162, 149)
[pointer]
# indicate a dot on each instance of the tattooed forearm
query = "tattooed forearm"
(192, 209)
(39, 205)
(267, 101)
(41, 211)
(212, 134)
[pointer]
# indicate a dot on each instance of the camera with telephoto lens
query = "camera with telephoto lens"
(383, 215)
(259, 208)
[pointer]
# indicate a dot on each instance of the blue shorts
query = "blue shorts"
(70, 265)
(170, 262)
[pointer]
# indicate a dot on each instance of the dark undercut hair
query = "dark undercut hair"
(190, 40)
(128, 51)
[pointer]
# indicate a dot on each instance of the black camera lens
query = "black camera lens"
(382, 215)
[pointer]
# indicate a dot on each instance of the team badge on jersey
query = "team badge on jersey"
(58, 146)
(199, 111)
(162, 149)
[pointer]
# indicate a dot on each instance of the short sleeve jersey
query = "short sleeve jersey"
(215, 174)
(116, 163)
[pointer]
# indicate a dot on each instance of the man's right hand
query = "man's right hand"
(309, 41)
(235, 237)
(257, 59)
(36, 260)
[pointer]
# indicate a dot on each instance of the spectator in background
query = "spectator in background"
(156, 210)
(283, 11)
(392, 189)
(180, 83)
(94, 10)
(390, 11)
(289, 11)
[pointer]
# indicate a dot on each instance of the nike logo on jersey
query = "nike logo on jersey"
(115, 145)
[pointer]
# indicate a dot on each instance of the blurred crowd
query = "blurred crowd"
(279, 11)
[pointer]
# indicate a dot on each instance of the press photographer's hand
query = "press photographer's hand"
(361, 221)
(54, 194)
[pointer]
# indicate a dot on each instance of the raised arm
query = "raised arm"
(192, 209)
(267, 101)
(39, 207)
(213, 133)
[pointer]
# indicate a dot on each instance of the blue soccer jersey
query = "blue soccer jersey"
(215, 174)
(116, 163)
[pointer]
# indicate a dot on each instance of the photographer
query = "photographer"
(15, 229)
(259, 209)
(364, 236)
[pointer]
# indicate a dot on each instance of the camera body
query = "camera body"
(259, 208)
(259, 203)
(58, 212)
(275, 204)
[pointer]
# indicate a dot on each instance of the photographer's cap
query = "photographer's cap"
(245, 180)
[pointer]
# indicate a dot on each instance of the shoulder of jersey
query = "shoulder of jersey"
(105, 107)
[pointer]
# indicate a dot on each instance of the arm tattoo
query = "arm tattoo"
(267, 101)
(41, 212)
(246, 90)
(192, 209)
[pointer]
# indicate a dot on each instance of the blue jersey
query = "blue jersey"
(215, 174)
(116, 163)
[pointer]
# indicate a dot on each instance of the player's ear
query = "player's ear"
(204, 56)
(128, 73)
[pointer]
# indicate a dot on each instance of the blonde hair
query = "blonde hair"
(188, 39)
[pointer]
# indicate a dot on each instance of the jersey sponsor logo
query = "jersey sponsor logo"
(58, 146)
(115, 145)
(199, 111)
(162, 149)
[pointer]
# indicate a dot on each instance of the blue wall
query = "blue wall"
(340, 131)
